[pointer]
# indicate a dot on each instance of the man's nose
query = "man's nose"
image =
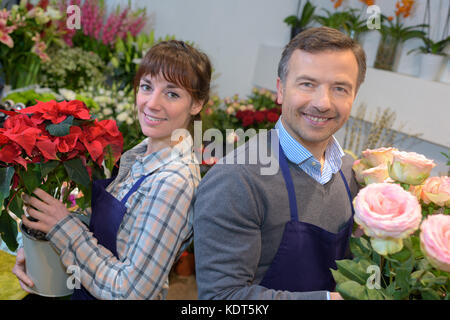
(322, 99)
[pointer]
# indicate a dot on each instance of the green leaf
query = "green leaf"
(338, 276)
(16, 206)
(353, 271)
(6, 175)
(351, 290)
(375, 294)
(429, 294)
(47, 167)
(31, 177)
(8, 230)
(360, 247)
(61, 129)
(77, 172)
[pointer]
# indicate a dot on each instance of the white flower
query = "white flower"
(129, 121)
(232, 137)
(68, 94)
(53, 13)
(107, 111)
(122, 117)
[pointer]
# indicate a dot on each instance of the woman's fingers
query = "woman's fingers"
(19, 270)
(46, 198)
(38, 204)
(39, 225)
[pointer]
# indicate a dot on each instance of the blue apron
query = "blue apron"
(306, 251)
(107, 215)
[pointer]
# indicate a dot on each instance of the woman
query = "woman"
(142, 220)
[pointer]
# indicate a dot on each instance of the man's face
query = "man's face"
(317, 95)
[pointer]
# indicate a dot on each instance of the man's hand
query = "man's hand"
(335, 296)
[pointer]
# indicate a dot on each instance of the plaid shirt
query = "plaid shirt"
(156, 228)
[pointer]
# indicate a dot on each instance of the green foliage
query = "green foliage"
(398, 31)
(305, 19)
(29, 97)
(403, 275)
(430, 46)
(72, 68)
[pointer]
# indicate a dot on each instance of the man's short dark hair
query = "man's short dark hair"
(321, 39)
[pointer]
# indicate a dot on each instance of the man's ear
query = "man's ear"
(279, 91)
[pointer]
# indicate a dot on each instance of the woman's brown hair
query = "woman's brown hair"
(180, 64)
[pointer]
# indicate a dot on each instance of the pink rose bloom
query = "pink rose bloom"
(376, 157)
(410, 167)
(358, 167)
(435, 240)
(387, 213)
(375, 175)
(436, 190)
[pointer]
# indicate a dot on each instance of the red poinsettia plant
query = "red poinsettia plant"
(56, 146)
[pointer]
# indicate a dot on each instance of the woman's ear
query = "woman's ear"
(196, 108)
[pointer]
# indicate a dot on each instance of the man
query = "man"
(276, 236)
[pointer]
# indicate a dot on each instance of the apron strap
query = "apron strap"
(348, 191)
(134, 188)
(289, 184)
(291, 190)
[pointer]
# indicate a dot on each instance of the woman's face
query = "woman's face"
(163, 107)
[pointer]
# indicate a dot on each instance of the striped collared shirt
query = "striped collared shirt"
(156, 228)
(298, 154)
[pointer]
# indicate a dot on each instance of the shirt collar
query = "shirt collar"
(146, 164)
(297, 153)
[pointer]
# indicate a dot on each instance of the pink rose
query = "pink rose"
(358, 167)
(435, 240)
(410, 167)
(436, 190)
(387, 213)
(375, 175)
(376, 157)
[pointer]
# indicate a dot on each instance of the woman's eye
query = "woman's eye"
(173, 95)
(145, 87)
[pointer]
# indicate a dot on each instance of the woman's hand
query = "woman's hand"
(49, 211)
(20, 271)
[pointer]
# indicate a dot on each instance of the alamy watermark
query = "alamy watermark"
(373, 282)
(73, 17)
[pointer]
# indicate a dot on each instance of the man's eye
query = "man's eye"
(341, 89)
(307, 84)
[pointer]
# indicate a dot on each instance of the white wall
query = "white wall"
(231, 31)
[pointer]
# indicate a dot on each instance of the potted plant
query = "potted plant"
(432, 57)
(60, 148)
(394, 33)
(298, 24)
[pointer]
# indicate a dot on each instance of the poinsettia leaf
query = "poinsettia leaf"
(6, 175)
(8, 230)
(61, 129)
(47, 167)
(16, 206)
(351, 290)
(31, 177)
(77, 172)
